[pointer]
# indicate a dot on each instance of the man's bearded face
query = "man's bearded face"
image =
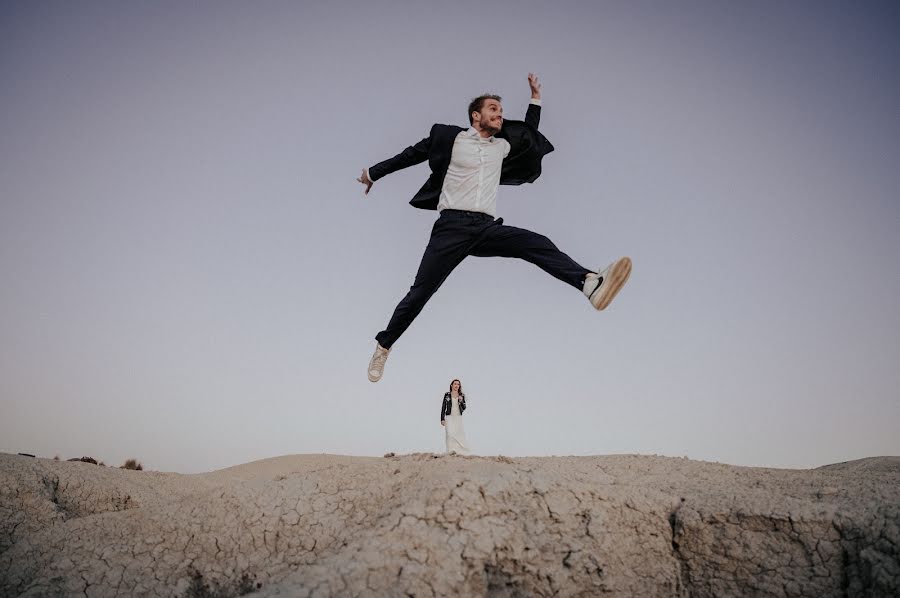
(490, 117)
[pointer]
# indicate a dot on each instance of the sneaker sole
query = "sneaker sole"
(618, 276)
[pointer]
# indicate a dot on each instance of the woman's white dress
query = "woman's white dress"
(453, 428)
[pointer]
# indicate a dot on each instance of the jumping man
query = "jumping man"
(467, 165)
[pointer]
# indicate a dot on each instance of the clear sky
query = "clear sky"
(190, 274)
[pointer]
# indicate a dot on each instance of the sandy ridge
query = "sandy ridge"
(422, 524)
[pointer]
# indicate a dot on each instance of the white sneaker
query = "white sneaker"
(376, 364)
(601, 288)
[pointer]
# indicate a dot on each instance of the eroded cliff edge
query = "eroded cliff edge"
(424, 525)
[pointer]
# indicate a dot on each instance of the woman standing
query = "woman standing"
(451, 418)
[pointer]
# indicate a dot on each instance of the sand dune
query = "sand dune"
(426, 525)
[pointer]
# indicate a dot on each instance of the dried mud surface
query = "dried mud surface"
(435, 525)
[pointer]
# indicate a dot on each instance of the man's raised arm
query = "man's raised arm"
(533, 114)
(414, 154)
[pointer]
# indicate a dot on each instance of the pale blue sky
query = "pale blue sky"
(191, 275)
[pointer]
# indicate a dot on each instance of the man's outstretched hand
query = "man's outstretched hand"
(535, 86)
(365, 180)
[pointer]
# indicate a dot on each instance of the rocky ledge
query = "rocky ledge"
(434, 525)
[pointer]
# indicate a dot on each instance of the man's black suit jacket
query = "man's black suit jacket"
(523, 164)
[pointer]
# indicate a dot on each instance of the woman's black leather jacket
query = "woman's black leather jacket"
(446, 405)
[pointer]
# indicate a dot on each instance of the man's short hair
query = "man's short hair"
(478, 103)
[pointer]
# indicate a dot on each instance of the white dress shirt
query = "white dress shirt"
(474, 173)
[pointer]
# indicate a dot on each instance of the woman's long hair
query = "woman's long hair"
(461, 393)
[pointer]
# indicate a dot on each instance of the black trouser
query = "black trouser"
(457, 234)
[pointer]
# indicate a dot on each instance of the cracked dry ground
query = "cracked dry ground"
(424, 525)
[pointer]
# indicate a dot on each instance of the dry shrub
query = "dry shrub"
(132, 464)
